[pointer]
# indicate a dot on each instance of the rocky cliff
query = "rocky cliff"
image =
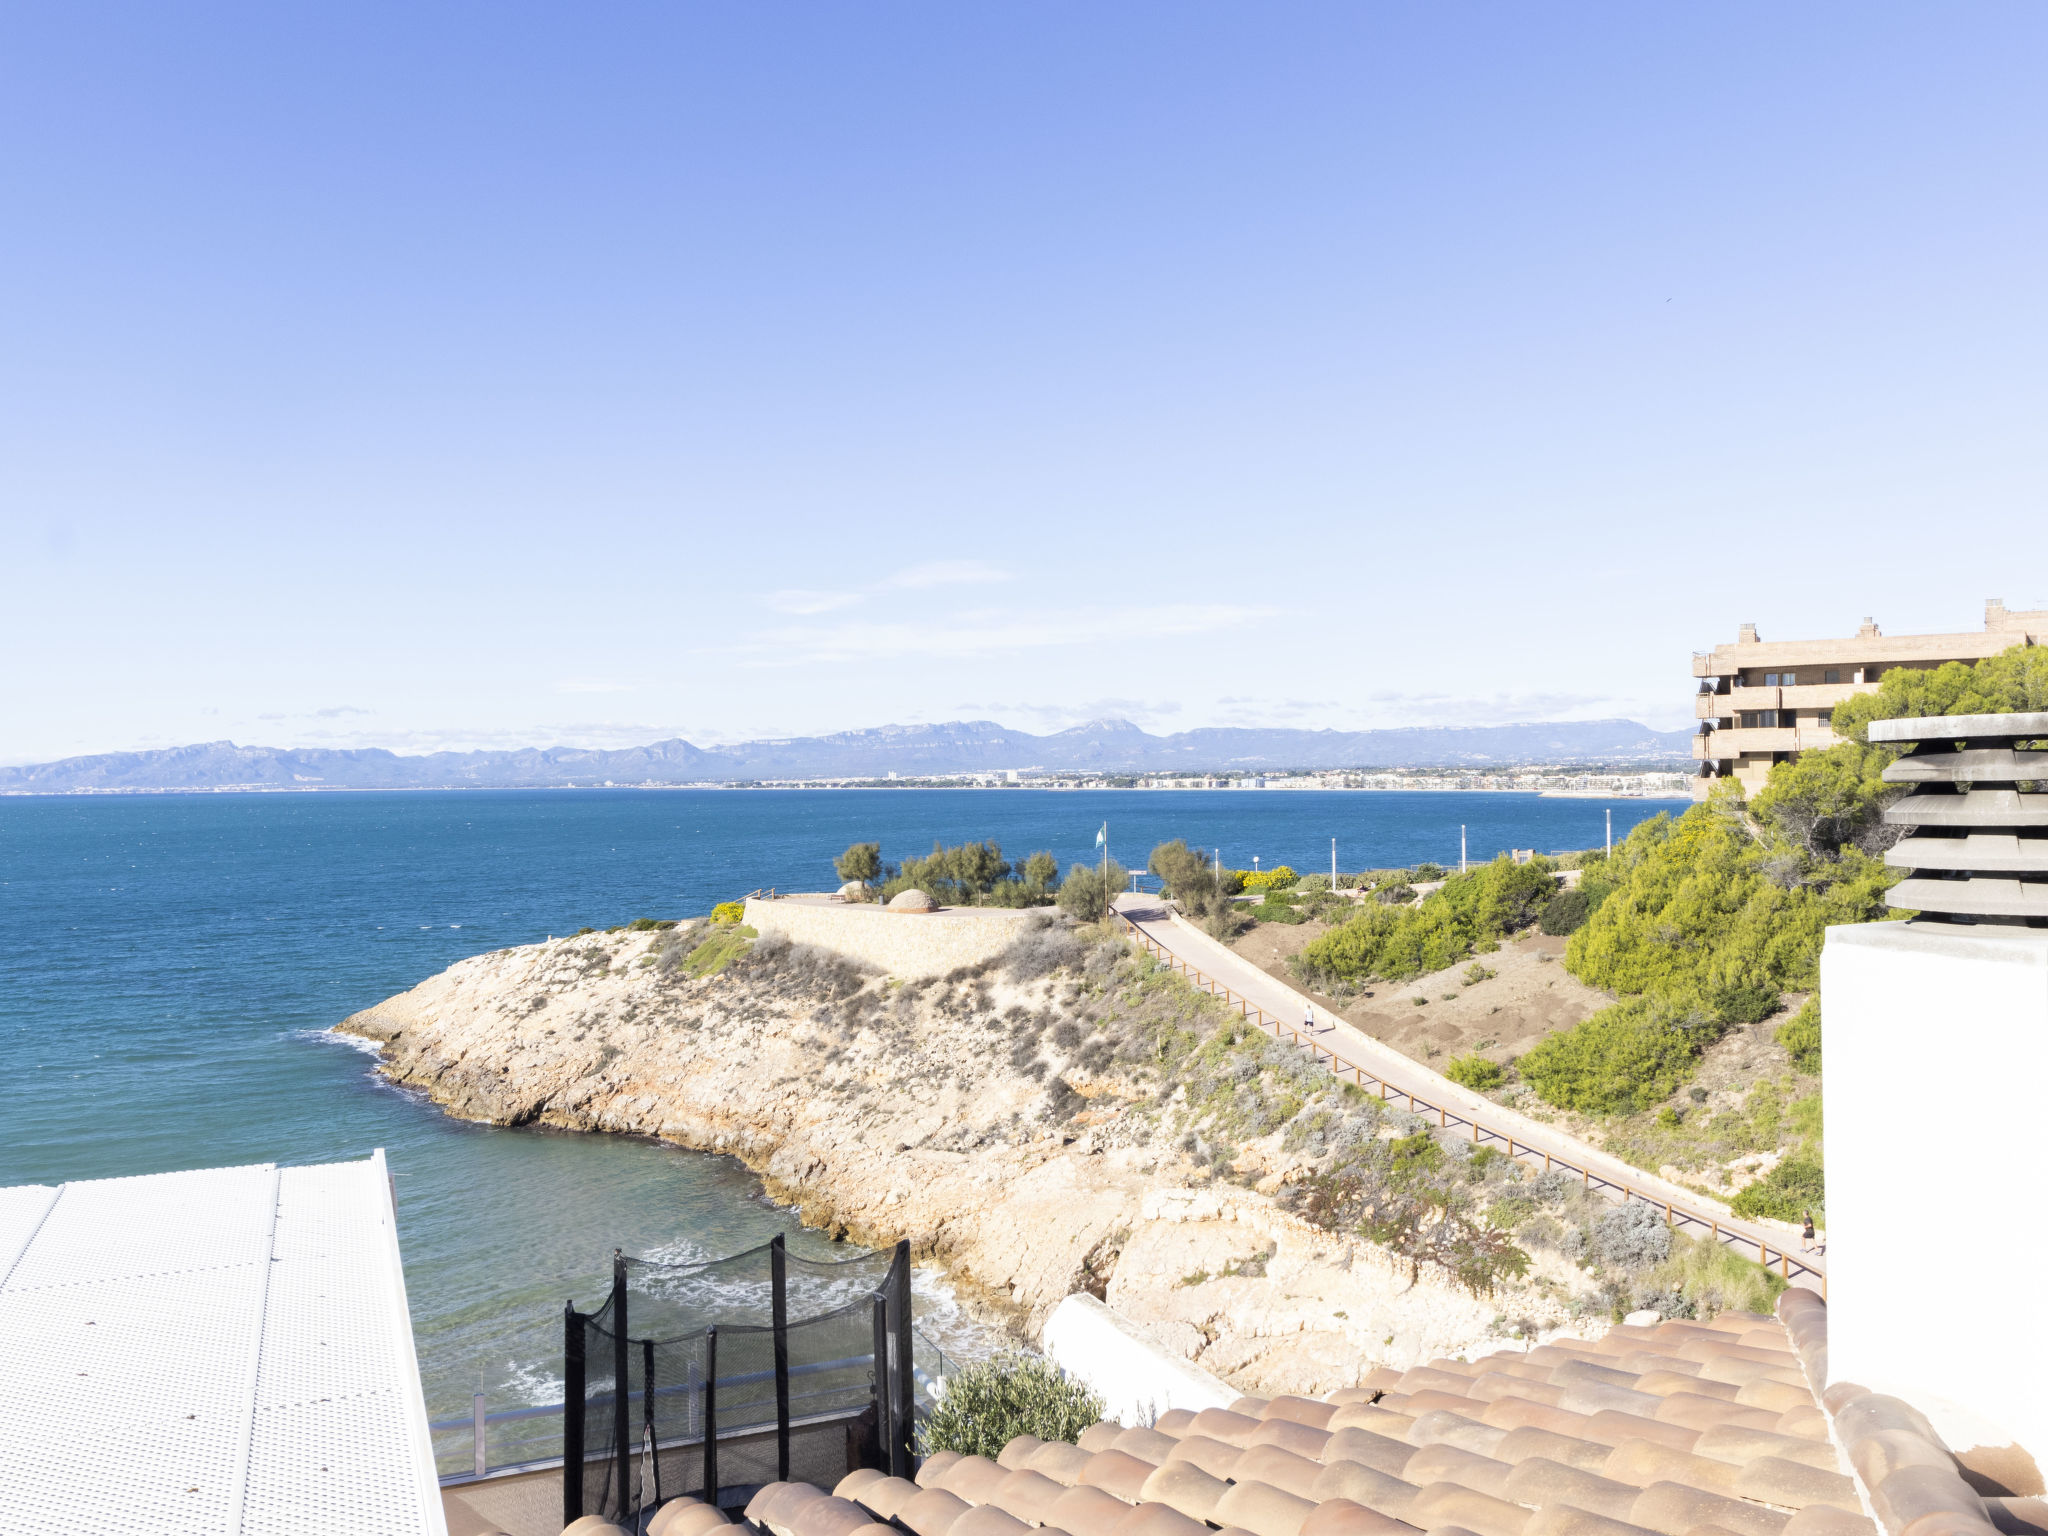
(1069, 1118)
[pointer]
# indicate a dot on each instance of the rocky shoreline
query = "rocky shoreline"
(1007, 1120)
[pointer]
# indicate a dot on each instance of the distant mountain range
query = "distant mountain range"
(910, 751)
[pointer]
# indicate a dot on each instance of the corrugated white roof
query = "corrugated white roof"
(225, 1352)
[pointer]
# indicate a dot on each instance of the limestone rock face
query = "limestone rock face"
(912, 900)
(944, 1111)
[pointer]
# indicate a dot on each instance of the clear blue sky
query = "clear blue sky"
(494, 374)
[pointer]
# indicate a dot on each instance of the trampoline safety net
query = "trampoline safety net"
(763, 1341)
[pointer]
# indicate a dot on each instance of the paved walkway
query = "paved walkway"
(1358, 1056)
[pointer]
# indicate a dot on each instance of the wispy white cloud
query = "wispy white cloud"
(804, 602)
(593, 685)
(337, 711)
(946, 573)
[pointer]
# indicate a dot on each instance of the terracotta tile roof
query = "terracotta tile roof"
(1682, 1429)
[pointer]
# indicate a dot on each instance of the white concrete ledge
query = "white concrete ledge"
(1137, 1379)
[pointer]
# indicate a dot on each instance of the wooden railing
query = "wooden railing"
(1675, 1212)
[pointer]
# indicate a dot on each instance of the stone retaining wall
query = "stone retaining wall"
(906, 944)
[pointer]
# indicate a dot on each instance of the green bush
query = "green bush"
(989, 1404)
(1479, 1073)
(729, 912)
(1712, 1278)
(1272, 911)
(1800, 1035)
(1621, 1059)
(725, 944)
(1788, 1192)
(1395, 943)
(1567, 913)
(1087, 892)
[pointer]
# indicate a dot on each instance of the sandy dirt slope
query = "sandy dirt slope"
(1530, 995)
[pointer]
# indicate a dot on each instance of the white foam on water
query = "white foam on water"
(332, 1036)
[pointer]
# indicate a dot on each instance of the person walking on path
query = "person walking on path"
(1806, 1233)
(1308, 1018)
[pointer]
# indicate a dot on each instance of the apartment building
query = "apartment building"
(1764, 701)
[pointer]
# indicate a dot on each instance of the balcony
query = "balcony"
(1713, 706)
(1759, 742)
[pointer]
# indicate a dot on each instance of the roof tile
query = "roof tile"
(1343, 1517)
(930, 1512)
(1643, 1462)
(1740, 1443)
(1448, 1464)
(1185, 1487)
(1147, 1445)
(1158, 1520)
(1353, 1480)
(1794, 1485)
(1539, 1481)
(1225, 1424)
(1568, 1450)
(1614, 1428)
(1674, 1509)
(1444, 1428)
(882, 1497)
(1292, 1435)
(982, 1520)
(1263, 1509)
(973, 1478)
(1027, 1495)
(1454, 1504)
(1085, 1511)
(1569, 1520)
(1117, 1474)
(1017, 1451)
(1281, 1469)
(1300, 1410)
(1381, 1452)
(1214, 1457)
(1059, 1461)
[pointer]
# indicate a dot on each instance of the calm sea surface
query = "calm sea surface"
(169, 967)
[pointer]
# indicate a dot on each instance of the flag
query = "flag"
(1102, 837)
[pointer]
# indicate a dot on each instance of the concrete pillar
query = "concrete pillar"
(1936, 1049)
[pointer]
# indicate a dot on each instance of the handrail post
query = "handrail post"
(650, 1440)
(480, 1455)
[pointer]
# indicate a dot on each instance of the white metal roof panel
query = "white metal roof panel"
(226, 1351)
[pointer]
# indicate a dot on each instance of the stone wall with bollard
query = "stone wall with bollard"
(911, 945)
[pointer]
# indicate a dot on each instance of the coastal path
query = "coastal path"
(1357, 1057)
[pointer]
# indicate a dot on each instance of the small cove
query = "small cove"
(173, 966)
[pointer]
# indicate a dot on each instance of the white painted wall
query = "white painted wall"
(1138, 1379)
(1935, 1040)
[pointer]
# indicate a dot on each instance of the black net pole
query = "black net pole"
(622, 1417)
(649, 1438)
(711, 1415)
(778, 1277)
(882, 1393)
(904, 1389)
(572, 1414)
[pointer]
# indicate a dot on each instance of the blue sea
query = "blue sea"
(171, 966)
